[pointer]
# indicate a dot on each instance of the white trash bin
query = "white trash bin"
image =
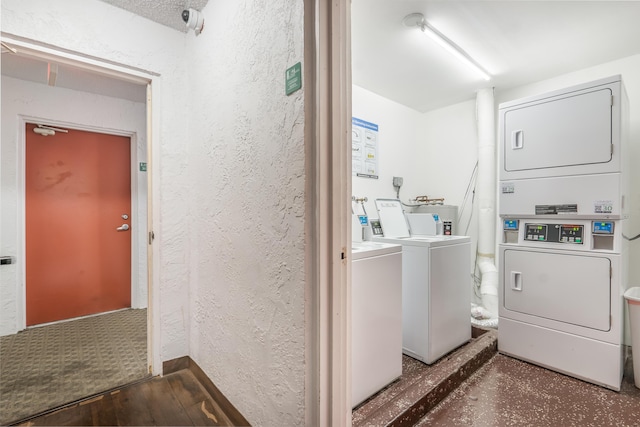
(632, 295)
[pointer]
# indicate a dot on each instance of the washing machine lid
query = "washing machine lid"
(441, 240)
(360, 250)
(425, 241)
(394, 224)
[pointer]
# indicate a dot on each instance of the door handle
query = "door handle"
(516, 281)
(123, 227)
(517, 139)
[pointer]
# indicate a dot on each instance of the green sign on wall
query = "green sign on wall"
(293, 78)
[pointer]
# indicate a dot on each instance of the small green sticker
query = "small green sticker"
(293, 78)
(143, 166)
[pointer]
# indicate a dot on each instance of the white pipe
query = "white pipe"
(486, 196)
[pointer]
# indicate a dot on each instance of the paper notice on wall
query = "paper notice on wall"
(364, 148)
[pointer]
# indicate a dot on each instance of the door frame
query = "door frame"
(22, 163)
(152, 80)
(328, 53)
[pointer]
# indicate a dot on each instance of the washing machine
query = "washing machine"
(435, 285)
(376, 318)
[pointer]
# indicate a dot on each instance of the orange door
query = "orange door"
(77, 193)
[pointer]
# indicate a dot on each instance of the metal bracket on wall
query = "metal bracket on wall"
(5, 260)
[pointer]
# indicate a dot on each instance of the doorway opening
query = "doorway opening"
(130, 309)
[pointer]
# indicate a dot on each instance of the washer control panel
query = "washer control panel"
(376, 228)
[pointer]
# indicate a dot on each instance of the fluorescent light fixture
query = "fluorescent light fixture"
(417, 20)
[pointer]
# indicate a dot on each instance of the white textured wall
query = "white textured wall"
(23, 98)
(247, 164)
(97, 29)
(450, 151)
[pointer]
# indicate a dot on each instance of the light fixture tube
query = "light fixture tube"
(453, 48)
(9, 48)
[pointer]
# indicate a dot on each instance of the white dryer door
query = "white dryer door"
(574, 130)
(572, 289)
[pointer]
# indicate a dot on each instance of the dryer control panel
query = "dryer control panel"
(557, 233)
(572, 234)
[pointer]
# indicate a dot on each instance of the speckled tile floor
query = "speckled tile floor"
(509, 392)
(421, 387)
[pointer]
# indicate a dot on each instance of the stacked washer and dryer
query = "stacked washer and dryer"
(564, 206)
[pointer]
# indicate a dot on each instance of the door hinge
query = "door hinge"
(343, 254)
(151, 237)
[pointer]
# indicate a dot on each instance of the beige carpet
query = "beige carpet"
(41, 368)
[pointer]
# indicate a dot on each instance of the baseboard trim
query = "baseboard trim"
(175, 365)
(185, 362)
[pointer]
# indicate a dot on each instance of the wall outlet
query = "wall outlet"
(397, 181)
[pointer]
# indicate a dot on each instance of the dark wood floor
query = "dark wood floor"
(177, 399)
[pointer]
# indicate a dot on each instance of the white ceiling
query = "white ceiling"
(519, 42)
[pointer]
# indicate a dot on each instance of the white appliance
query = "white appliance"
(376, 318)
(435, 286)
(563, 259)
(448, 215)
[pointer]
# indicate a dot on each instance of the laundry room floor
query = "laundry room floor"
(509, 392)
(476, 386)
(421, 387)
